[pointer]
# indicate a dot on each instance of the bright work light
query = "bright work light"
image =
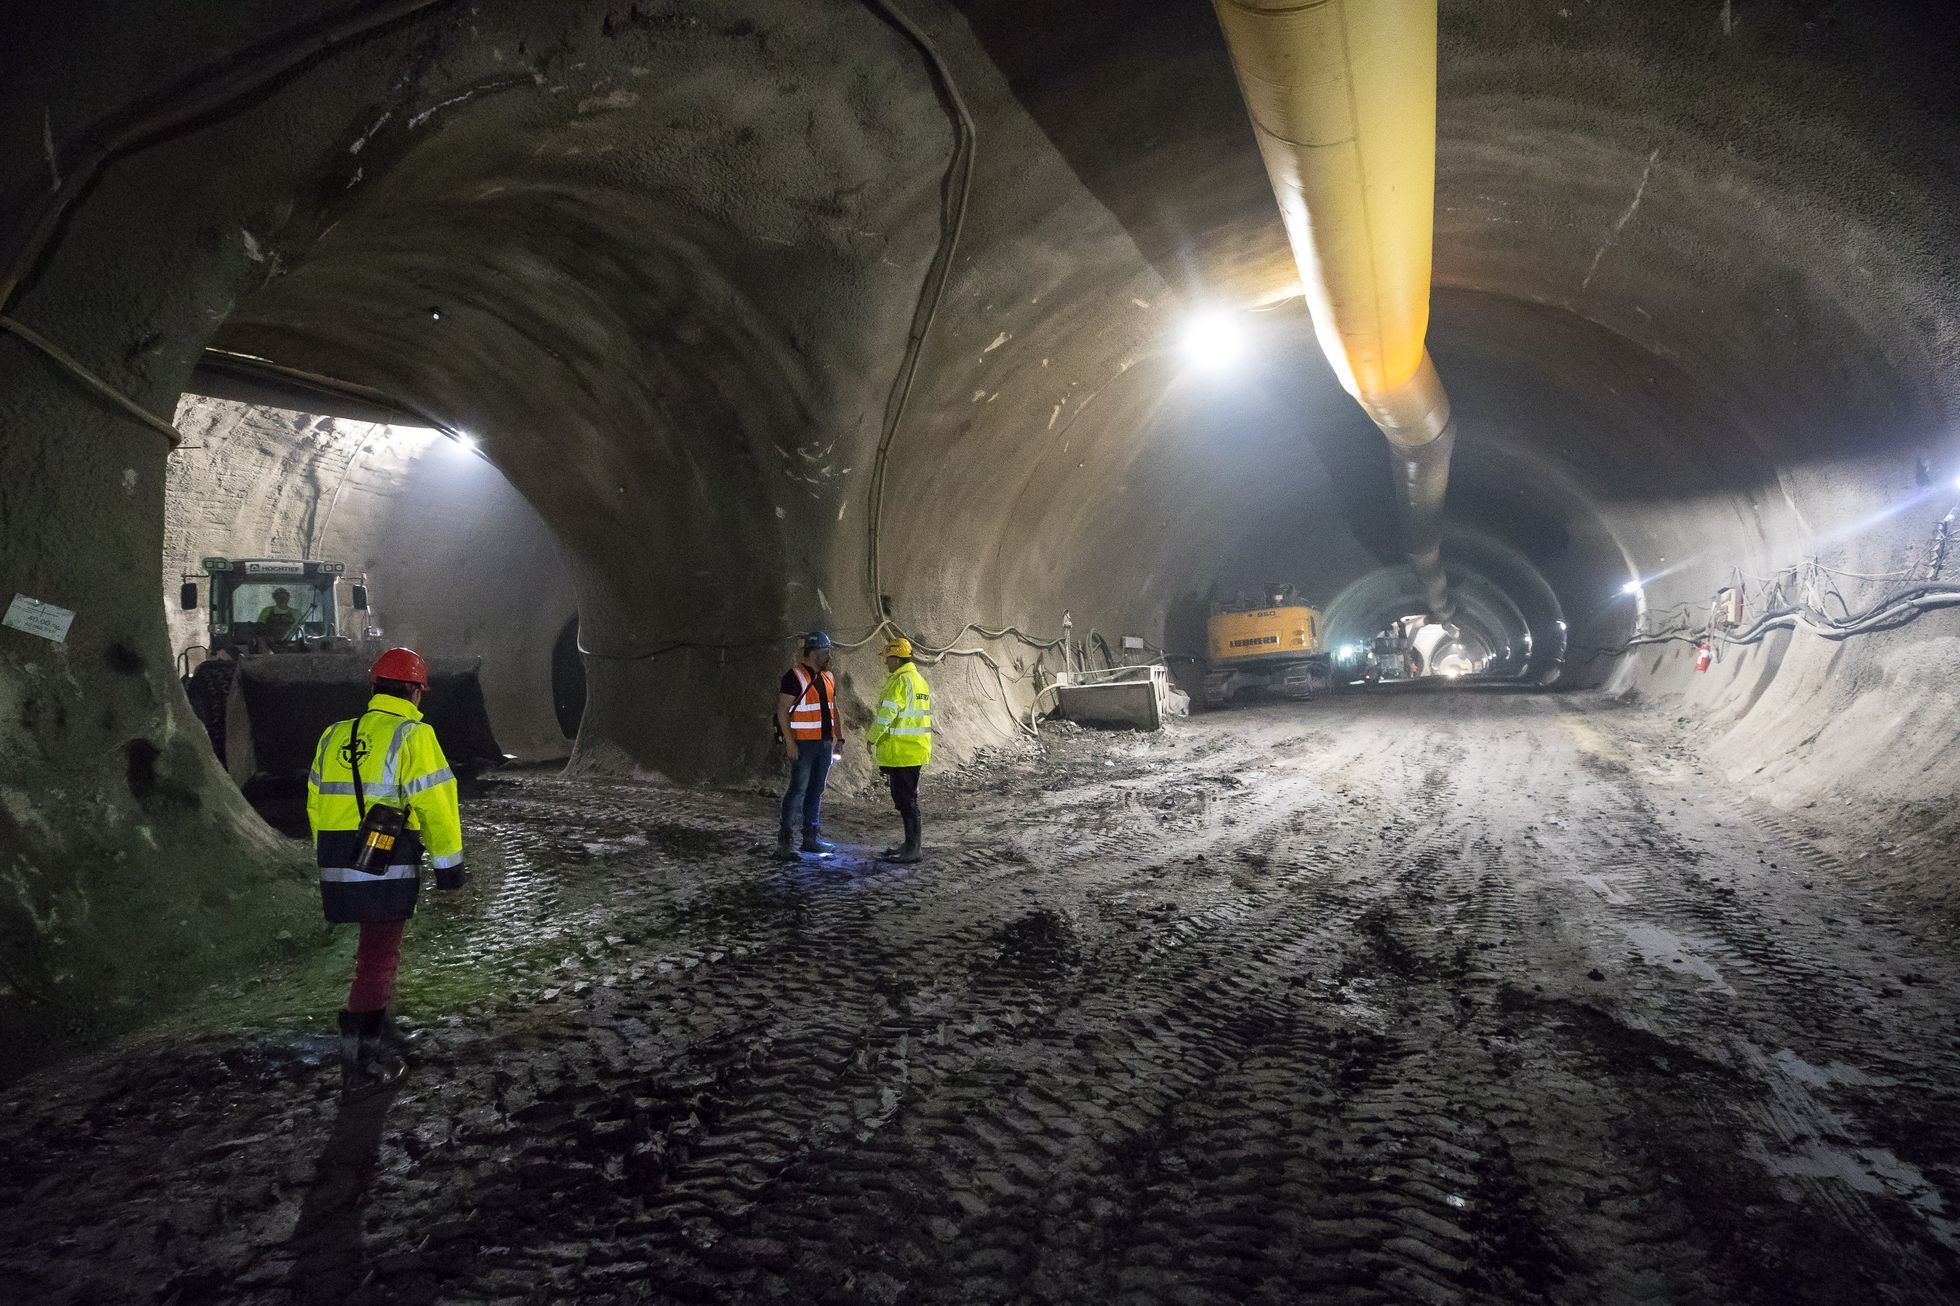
(1212, 340)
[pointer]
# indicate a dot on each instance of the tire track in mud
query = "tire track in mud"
(1403, 1229)
(1764, 973)
(1009, 1140)
(971, 890)
(1266, 1012)
(981, 1114)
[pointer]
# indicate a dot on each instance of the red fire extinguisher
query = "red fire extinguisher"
(1703, 656)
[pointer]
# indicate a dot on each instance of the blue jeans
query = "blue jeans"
(807, 776)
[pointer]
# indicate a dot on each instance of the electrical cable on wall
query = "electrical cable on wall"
(1814, 589)
(90, 380)
(926, 651)
(201, 98)
(953, 204)
(250, 366)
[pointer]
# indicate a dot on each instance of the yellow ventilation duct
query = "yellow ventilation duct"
(1342, 95)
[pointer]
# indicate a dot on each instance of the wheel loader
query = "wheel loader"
(276, 674)
(1270, 643)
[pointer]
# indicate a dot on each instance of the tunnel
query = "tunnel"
(1593, 942)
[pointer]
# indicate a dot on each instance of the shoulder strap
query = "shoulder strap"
(356, 750)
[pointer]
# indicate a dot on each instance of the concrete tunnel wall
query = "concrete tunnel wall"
(1695, 303)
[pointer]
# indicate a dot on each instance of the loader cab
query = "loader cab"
(243, 593)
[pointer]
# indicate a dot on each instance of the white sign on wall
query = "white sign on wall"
(38, 618)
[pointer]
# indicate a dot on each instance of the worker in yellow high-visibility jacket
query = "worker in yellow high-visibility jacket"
(278, 618)
(394, 756)
(901, 741)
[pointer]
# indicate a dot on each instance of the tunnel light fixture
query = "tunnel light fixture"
(1631, 587)
(1213, 340)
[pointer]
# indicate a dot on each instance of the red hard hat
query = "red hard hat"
(403, 664)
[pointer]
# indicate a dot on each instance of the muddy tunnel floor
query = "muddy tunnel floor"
(1465, 997)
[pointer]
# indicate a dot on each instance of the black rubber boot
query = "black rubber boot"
(392, 1036)
(813, 843)
(380, 1063)
(350, 1053)
(908, 852)
(785, 846)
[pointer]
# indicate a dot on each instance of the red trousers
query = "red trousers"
(375, 962)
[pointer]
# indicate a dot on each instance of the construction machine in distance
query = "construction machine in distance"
(1269, 644)
(273, 679)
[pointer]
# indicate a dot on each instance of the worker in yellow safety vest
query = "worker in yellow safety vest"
(901, 741)
(379, 795)
(278, 617)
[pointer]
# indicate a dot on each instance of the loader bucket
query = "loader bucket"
(280, 704)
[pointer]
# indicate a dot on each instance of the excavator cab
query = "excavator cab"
(1269, 642)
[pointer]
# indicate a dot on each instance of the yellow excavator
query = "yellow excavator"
(1271, 643)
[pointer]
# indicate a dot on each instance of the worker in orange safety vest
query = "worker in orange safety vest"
(812, 731)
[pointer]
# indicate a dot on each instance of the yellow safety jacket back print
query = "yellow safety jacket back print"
(401, 765)
(901, 734)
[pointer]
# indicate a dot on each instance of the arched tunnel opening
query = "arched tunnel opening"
(369, 534)
(1509, 860)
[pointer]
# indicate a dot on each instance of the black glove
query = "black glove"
(452, 877)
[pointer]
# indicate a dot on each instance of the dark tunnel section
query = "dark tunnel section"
(1498, 633)
(1271, 477)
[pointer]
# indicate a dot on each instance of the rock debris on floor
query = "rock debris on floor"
(1446, 998)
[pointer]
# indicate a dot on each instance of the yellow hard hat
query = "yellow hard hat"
(899, 648)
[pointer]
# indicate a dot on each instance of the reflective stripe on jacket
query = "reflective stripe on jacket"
(401, 765)
(806, 713)
(901, 733)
